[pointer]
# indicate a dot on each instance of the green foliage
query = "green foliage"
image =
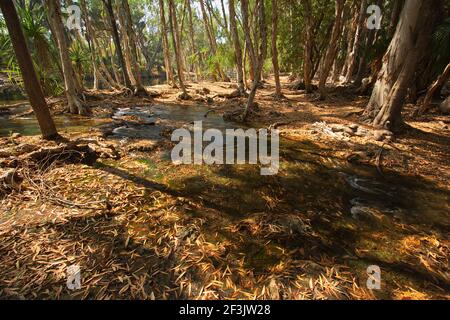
(441, 45)
(79, 55)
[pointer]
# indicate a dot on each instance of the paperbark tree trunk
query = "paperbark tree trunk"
(212, 40)
(435, 87)
(259, 60)
(32, 86)
(166, 48)
(237, 47)
(90, 37)
(176, 44)
(332, 48)
(131, 49)
(75, 104)
(276, 68)
(116, 39)
(193, 44)
(307, 59)
(354, 52)
(250, 49)
(399, 63)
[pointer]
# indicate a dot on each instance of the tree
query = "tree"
(276, 68)
(32, 87)
(307, 59)
(75, 104)
(131, 56)
(237, 47)
(97, 64)
(177, 48)
(364, 55)
(212, 40)
(434, 87)
(164, 31)
(332, 48)
(356, 48)
(193, 45)
(258, 61)
(247, 37)
(116, 39)
(399, 63)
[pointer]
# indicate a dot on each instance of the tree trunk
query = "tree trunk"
(332, 48)
(166, 48)
(250, 49)
(399, 63)
(276, 68)
(90, 37)
(211, 39)
(176, 45)
(193, 45)
(237, 47)
(351, 13)
(259, 61)
(395, 14)
(32, 87)
(70, 81)
(357, 42)
(130, 36)
(116, 39)
(435, 87)
(308, 51)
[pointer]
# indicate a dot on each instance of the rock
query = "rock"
(359, 156)
(365, 86)
(234, 94)
(235, 116)
(152, 132)
(184, 96)
(354, 127)
(4, 153)
(361, 132)
(341, 128)
(26, 148)
(10, 179)
(445, 106)
(15, 135)
(103, 151)
(10, 92)
(380, 135)
(293, 224)
(142, 146)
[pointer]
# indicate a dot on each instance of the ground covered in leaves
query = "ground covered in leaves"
(140, 227)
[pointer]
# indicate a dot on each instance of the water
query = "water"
(27, 125)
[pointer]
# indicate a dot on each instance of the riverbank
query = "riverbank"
(141, 227)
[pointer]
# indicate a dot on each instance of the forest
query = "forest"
(224, 149)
